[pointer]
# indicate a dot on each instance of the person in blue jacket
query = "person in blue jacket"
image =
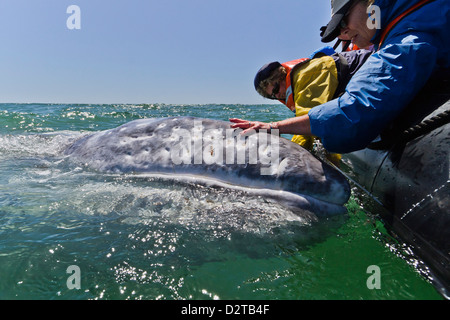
(411, 40)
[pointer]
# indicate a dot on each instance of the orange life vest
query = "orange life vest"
(289, 66)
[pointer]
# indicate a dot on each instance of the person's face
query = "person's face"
(277, 91)
(354, 26)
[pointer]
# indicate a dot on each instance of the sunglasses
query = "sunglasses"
(275, 91)
(343, 24)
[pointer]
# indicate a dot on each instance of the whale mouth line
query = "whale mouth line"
(290, 199)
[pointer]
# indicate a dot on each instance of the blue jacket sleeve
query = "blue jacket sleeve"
(375, 95)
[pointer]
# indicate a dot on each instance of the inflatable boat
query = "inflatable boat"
(407, 172)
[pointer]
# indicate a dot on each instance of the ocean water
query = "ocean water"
(67, 232)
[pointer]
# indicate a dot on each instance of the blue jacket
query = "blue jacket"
(417, 47)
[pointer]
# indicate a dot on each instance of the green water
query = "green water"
(135, 238)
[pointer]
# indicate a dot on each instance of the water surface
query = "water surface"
(135, 237)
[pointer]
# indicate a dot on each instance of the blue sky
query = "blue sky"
(150, 51)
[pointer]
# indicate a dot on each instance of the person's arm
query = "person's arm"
(298, 125)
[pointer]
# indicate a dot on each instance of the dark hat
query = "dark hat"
(339, 9)
(265, 72)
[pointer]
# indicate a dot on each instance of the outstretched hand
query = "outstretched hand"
(249, 125)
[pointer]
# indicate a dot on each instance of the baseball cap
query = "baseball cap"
(339, 9)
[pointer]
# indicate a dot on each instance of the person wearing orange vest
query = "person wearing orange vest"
(302, 84)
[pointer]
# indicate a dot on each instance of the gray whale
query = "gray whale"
(206, 149)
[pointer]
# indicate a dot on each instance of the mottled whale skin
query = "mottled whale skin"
(207, 148)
